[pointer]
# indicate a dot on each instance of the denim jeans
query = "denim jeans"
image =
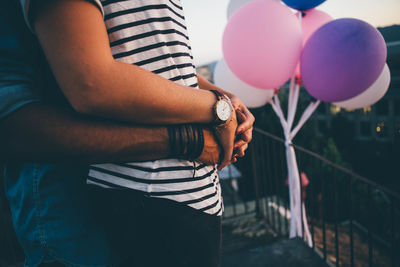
(156, 232)
(52, 210)
(55, 216)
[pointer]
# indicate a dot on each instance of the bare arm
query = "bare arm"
(75, 41)
(41, 133)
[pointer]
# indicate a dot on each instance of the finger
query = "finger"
(235, 105)
(249, 115)
(240, 116)
(239, 143)
(235, 102)
(247, 136)
(242, 150)
(245, 125)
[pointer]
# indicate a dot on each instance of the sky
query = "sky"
(206, 20)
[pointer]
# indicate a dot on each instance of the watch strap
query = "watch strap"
(218, 94)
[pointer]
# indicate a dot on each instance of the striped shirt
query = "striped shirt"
(152, 34)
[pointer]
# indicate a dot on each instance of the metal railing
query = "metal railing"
(354, 221)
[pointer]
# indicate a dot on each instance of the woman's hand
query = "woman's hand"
(245, 119)
(244, 132)
(226, 135)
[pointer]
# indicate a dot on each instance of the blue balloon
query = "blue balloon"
(303, 4)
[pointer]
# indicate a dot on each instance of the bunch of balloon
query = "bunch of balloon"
(266, 44)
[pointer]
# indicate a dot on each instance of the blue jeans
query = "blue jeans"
(56, 217)
(52, 210)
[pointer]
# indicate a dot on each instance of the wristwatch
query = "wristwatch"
(222, 108)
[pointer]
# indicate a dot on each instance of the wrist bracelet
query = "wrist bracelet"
(190, 140)
(185, 141)
(199, 143)
(173, 152)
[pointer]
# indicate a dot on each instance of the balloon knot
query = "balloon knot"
(288, 143)
(298, 82)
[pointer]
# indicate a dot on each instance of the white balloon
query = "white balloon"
(370, 96)
(252, 97)
(234, 5)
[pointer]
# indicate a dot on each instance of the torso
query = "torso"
(152, 34)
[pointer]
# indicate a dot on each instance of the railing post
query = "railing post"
(351, 222)
(393, 230)
(286, 202)
(323, 211)
(278, 196)
(275, 215)
(301, 197)
(312, 206)
(255, 177)
(370, 249)
(335, 203)
(266, 179)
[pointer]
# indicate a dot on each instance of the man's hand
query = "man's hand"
(226, 135)
(212, 151)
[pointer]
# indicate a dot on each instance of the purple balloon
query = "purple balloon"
(342, 59)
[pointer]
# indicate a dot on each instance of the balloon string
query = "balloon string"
(298, 77)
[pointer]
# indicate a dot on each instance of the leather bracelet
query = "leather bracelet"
(185, 141)
(181, 144)
(199, 143)
(190, 141)
(172, 141)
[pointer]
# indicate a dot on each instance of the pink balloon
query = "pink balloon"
(262, 43)
(312, 21)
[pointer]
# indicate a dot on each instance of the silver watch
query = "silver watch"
(222, 108)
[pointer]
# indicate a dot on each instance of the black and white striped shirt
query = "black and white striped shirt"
(152, 34)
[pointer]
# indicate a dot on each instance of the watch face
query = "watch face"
(223, 110)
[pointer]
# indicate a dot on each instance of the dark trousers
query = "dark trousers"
(156, 232)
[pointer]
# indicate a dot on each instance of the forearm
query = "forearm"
(130, 93)
(40, 133)
(76, 44)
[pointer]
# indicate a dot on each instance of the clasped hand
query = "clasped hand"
(235, 135)
(231, 139)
